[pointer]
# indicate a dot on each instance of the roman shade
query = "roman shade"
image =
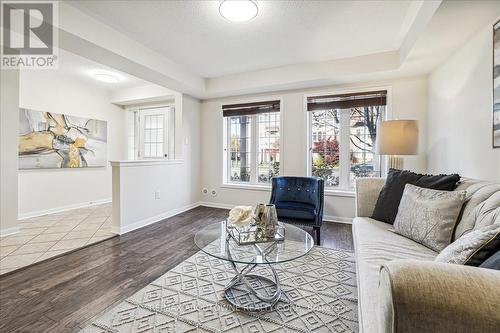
(247, 109)
(346, 101)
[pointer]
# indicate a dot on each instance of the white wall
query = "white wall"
(460, 112)
(9, 119)
(142, 94)
(54, 189)
(178, 182)
(408, 101)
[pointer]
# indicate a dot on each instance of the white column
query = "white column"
(9, 124)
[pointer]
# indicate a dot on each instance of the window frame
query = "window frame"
(142, 129)
(344, 187)
(138, 113)
(226, 162)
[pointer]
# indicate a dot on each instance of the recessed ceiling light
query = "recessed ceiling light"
(238, 10)
(106, 77)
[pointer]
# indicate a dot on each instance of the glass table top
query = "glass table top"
(214, 240)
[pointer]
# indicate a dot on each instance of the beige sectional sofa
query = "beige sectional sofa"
(401, 289)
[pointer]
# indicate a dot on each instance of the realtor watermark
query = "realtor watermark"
(29, 34)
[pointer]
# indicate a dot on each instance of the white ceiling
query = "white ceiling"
(453, 24)
(84, 69)
(186, 46)
(193, 34)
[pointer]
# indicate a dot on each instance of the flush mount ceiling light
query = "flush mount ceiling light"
(106, 77)
(238, 10)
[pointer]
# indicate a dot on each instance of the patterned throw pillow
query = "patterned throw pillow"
(472, 248)
(428, 216)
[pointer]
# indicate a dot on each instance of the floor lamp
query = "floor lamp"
(396, 138)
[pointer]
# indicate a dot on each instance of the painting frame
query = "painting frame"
(50, 140)
(495, 130)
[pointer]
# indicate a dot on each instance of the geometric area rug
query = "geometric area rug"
(319, 295)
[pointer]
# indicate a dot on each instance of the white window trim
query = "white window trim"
(166, 142)
(242, 186)
(139, 135)
(330, 191)
(226, 182)
(343, 189)
(132, 118)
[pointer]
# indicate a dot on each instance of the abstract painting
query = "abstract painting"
(496, 85)
(51, 141)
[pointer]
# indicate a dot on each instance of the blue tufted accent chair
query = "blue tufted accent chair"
(299, 201)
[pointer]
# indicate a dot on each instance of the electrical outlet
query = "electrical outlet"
(213, 192)
(204, 191)
(157, 195)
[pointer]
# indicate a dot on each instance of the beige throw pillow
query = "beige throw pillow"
(472, 248)
(428, 216)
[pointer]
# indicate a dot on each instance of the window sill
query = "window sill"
(335, 193)
(145, 162)
(340, 193)
(252, 187)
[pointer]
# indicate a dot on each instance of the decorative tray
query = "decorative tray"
(253, 234)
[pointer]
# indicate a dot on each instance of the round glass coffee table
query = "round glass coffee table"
(246, 290)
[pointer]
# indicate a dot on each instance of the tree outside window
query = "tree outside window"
(357, 126)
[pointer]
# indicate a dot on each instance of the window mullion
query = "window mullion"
(227, 148)
(165, 141)
(253, 148)
(344, 148)
(141, 134)
(309, 144)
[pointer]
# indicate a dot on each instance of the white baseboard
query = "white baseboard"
(326, 218)
(9, 231)
(152, 220)
(216, 205)
(62, 209)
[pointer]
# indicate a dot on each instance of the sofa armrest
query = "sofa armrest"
(422, 296)
(367, 191)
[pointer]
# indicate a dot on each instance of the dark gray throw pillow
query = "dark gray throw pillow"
(492, 262)
(387, 204)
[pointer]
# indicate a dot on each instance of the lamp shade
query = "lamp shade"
(397, 137)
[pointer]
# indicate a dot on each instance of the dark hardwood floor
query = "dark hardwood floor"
(63, 294)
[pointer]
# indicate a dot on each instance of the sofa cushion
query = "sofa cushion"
(374, 245)
(295, 210)
(387, 204)
(429, 216)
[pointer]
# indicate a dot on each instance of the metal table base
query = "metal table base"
(253, 292)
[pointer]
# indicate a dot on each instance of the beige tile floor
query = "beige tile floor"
(49, 235)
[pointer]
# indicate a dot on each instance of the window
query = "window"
(151, 133)
(252, 142)
(343, 133)
(317, 136)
